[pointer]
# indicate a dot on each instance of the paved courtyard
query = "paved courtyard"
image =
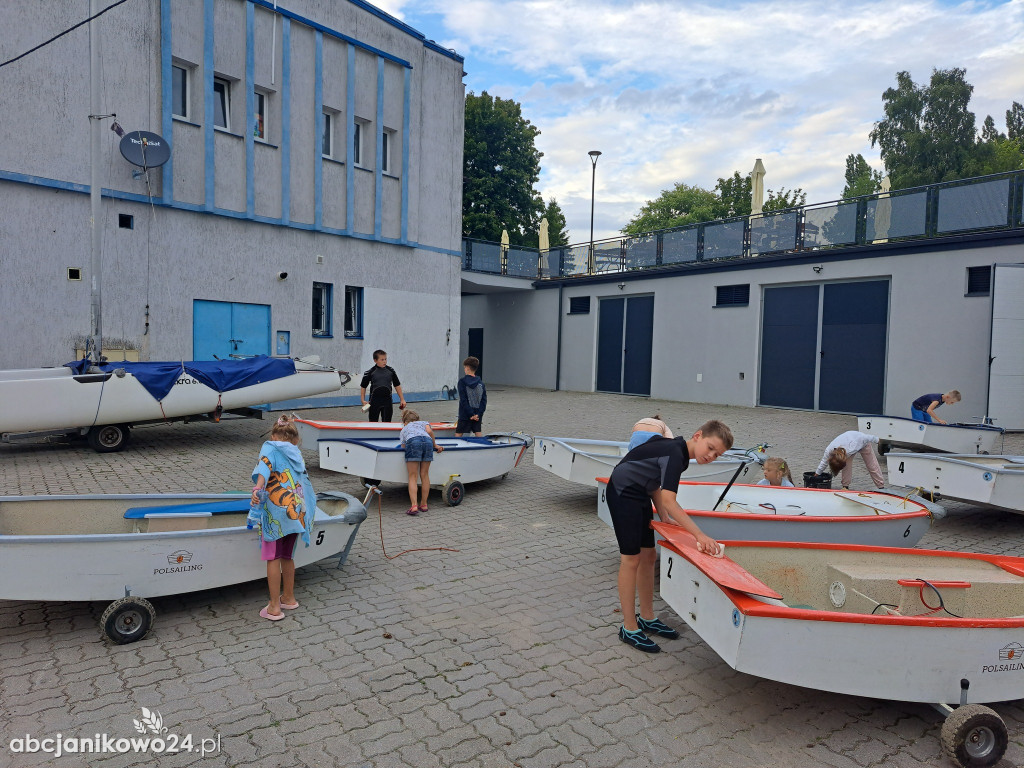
(503, 653)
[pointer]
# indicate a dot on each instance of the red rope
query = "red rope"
(380, 517)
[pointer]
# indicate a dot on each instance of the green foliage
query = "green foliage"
(989, 132)
(781, 200)
(860, 178)
(501, 169)
(1015, 122)
(675, 207)
(557, 233)
(734, 196)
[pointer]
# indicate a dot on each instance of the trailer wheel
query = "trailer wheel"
(108, 438)
(974, 736)
(453, 492)
(128, 619)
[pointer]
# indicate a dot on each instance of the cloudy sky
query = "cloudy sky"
(675, 91)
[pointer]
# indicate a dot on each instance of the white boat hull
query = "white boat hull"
(768, 513)
(311, 430)
(107, 566)
(583, 461)
(991, 481)
(896, 432)
(884, 657)
(467, 459)
(54, 398)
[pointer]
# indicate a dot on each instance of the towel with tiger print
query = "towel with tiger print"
(290, 501)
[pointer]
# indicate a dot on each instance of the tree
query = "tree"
(734, 196)
(557, 233)
(501, 169)
(781, 200)
(861, 179)
(675, 207)
(928, 133)
(989, 132)
(1015, 122)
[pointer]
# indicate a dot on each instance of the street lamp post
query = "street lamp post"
(594, 154)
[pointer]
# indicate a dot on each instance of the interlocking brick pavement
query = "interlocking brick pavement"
(502, 654)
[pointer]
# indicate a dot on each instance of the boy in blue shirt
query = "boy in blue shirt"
(472, 400)
(923, 409)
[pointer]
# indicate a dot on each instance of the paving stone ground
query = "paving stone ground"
(501, 654)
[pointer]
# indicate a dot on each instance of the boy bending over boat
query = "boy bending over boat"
(650, 473)
(923, 409)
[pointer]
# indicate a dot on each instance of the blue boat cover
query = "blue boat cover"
(219, 375)
(200, 508)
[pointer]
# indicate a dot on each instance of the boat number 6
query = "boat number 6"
(320, 537)
(668, 574)
(906, 533)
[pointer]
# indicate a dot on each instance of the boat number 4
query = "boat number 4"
(320, 537)
(900, 469)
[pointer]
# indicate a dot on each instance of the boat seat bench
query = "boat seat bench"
(200, 509)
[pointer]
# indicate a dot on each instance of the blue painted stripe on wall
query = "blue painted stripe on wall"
(318, 132)
(350, 132)
(406, 99)
(166, 88)
(333, 32)
(378, 185)
(116, 194)
(250, 109)
(208, 104)
(286, 120)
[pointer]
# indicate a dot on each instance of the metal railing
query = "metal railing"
(980, 204)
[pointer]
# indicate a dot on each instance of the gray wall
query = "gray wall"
(938, 338)
(177, 252)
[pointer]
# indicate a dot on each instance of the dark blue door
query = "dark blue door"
(610, 325)
(223, 328)
(854, 323)
(625, 332)
(789, 346)
(636, 375)
(476, 348)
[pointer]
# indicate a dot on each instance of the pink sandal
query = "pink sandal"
(290, 606)
(412, 511)
(268, 615)
(424, 508)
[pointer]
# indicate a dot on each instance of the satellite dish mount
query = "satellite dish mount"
(145, 149)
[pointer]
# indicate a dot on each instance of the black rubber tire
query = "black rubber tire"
(108, 438)
(453, 492)
(974, 736)
(128, 620)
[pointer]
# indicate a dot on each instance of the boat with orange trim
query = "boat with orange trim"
(943, 628)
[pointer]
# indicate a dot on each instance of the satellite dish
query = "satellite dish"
(145, 149)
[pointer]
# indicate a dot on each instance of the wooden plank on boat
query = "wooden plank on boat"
(721, 570)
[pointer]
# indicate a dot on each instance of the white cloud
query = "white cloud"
(673, 91)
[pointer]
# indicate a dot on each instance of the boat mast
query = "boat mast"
(94, 349)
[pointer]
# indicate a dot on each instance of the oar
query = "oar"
(735, 475)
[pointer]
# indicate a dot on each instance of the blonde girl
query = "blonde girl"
(839, 455)
(419, 443)
(776, 472)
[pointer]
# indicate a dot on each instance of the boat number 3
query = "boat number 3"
(869, 425)
(320, 537)
(668, 574)
(906, 533)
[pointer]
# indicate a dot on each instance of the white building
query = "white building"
(311, 203)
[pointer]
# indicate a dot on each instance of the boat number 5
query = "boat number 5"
(320, 537)
(668, 573)
(906, 533)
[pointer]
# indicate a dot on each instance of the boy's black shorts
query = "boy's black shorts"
(631, 519)
(468, 425)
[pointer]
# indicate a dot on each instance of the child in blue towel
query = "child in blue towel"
(283, 504)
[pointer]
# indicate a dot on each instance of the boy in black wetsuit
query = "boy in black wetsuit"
(650, 473)
(379, 379)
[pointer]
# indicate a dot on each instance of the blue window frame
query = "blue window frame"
(322, 302)
(353, 312)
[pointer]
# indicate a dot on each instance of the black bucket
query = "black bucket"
(814, 480)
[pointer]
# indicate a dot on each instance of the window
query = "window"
(353, 312)
(179, 91)
(322, 308)
(732, 295)
(328, 138)
(221, 103)
(579, 305)
(979, 281)
(387, 140)
(125, 221)
(358, 156)
(259, 128)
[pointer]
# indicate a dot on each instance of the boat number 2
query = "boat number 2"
(668, 573)
(320, 537)
(906, 533)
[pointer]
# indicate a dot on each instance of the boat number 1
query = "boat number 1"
(320, 537)
(668, 573)
(906, 533)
